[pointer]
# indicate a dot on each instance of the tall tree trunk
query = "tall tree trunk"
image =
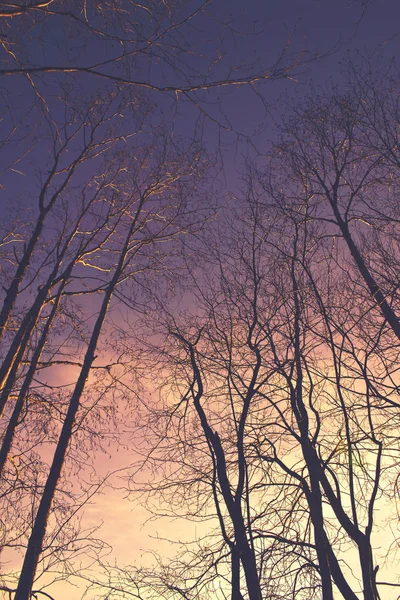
(370, 591)
(13, 289)
(35, 543)
(250, 571)
(12, 360)
(235, 574)
(12, 424)
(374, 289)
(321, 541)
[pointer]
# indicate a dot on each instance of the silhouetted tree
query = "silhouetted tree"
(271, 410)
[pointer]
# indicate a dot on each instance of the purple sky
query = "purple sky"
(306, 28)
(332, 31)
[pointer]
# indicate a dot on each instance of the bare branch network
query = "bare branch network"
(227, 363)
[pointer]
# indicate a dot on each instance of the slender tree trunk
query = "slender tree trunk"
(314, 468)
(23, 264)
(329, 565)
(367, 569)
(13, 289)
(250, 571)
(235, 574)
(244, 551)
(375, 291)
(315, 506)
(15, 353)
(12, 360)
(10, 367)
(10, 431)
(35, 543)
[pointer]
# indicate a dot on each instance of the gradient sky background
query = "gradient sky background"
(334, 31)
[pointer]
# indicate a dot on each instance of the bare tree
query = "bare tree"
(272, 410)
(220, 358)
(149, 216)
(149, 47)
(113, 197)
(343, 148)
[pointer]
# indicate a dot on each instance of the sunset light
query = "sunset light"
(199, 300)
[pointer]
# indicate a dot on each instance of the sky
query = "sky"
(321, 34)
